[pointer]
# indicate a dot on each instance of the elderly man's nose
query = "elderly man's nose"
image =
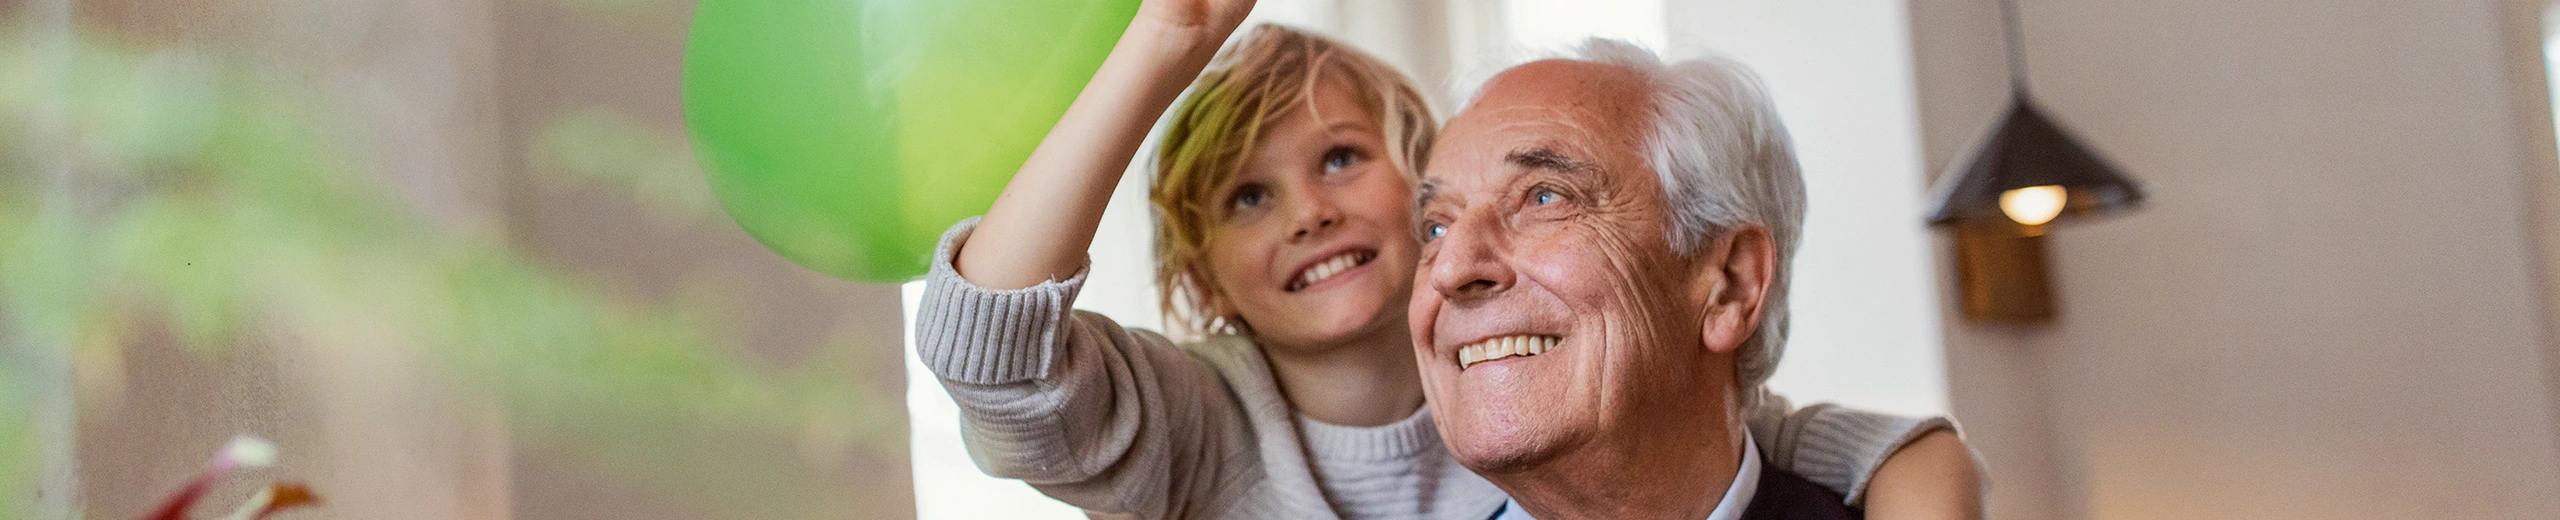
(1467, 268)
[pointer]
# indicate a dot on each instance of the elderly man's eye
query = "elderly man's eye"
(1544, 197)
(1433, 231)
(1339, 157)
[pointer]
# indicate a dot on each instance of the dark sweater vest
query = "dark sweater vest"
(1785, 496)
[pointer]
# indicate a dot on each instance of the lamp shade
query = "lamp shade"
(2027, 150)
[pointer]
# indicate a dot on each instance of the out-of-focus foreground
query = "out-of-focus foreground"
(453, 256)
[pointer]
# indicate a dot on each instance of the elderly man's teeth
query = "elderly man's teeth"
(1503, 347)
(1328, 268)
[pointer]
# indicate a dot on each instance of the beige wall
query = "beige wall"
(2334, 305)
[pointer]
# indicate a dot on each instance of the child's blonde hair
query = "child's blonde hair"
(1248, 88)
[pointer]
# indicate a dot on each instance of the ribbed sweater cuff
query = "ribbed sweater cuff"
(971, 334)
(1844, 450)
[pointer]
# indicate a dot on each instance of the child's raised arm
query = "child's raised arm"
(1105, 418)
(1039, 228)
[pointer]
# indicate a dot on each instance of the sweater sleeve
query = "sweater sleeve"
(1099, 416)
(1837, 447)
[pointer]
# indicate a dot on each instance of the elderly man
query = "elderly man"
(1603, 288)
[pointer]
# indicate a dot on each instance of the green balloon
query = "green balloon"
(847, 134)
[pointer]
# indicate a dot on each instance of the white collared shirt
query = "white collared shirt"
(1737, 497)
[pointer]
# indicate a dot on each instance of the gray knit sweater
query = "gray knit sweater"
(1123, 422)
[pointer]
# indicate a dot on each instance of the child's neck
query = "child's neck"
(1369, 381)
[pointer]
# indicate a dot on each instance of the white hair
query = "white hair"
(1725, 161)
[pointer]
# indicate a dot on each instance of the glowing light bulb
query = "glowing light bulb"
(2033, 205)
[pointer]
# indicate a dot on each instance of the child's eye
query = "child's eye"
(1339, 157)
(1544, 197)
(1247, 197)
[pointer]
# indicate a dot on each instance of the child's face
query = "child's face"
(1312, 242)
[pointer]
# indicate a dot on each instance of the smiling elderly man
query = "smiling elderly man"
(1604, 287)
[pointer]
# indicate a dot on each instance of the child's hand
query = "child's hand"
(1211, 18)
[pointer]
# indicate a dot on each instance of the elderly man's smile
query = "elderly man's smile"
(1505, 347)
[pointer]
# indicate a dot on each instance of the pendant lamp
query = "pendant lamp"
(2029, 171)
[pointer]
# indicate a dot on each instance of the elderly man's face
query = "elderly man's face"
(1546, 235)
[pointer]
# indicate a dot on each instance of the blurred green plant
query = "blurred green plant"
(208, 194)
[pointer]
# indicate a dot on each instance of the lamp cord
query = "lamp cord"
(2017, 47)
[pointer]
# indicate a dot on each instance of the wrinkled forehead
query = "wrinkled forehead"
(1588, 88)
(1575, 113)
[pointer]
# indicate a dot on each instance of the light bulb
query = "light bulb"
(2033, 205)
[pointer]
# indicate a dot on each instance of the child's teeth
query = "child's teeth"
(1329, 268)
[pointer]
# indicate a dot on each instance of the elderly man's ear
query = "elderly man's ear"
(1735, 271)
